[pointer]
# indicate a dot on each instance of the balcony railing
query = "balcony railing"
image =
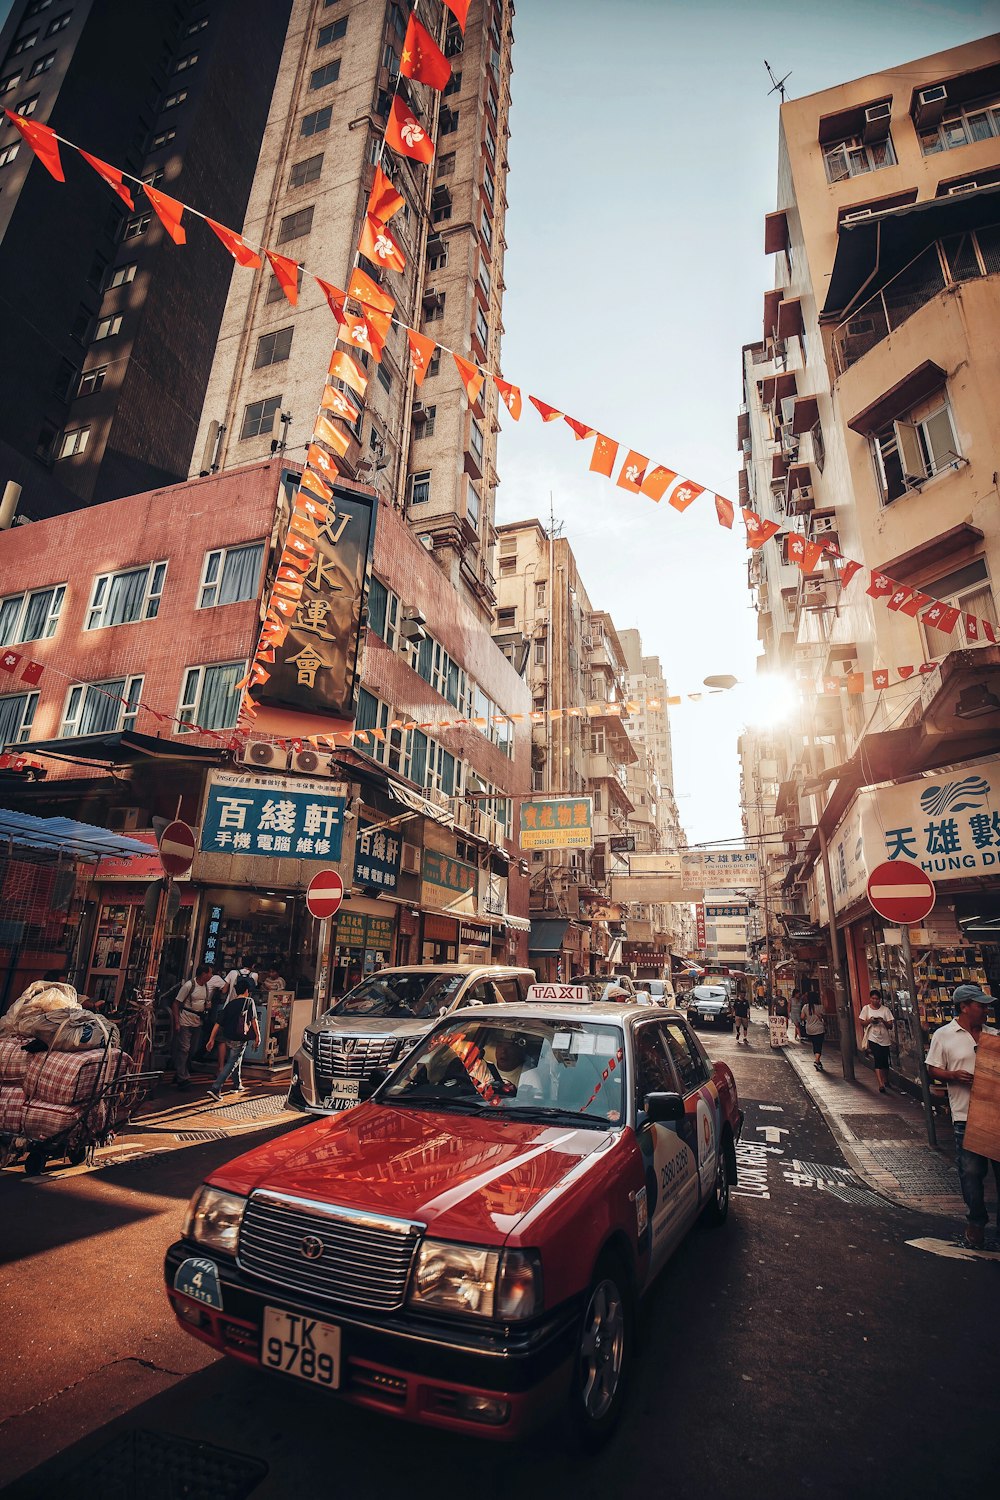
(947, 262)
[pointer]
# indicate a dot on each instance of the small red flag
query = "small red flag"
(379, 246)
(319, 459)
(354, 333)
(111, 176)
(237, 246)
(368, 292)
(335, 296)
(32, 673)
(383, 200)
(848, 571)
(905, 672)
(405, 134)
(657, 482)
(898, 597)
(758, 531)
(340, 404)
(287, 272)
(928, 666)
(342, 367)
(42, 140)
(510, 395)
(971, 629)
(422, 58)
(880, 587)
(633, 472)
(988, 631)
(880, 678)
(724, 512)
(327, 433)
(286, 590)
(311, 481)
(421, 351)
(9, 661)
(546, 412)
(604, 455)
(472, 378)
(168, 211)
(915, 603)
(302, 525)
(941, 616)
(855, 682)
(580, 430)
(308, 506)
(685, 494)
(459, 9)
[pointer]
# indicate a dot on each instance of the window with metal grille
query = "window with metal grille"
(258, 419)
(31, 616)
(294, 226)
(306, 171)
(230, 575)
(124, 597)
(272, 348)
(425, 428)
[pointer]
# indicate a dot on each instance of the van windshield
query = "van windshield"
(401, 997)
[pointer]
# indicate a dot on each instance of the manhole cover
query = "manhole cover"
(881, 1127)
(917, 1168)
(142, 1465)
(201, 1135)
(253, 1109)
(859, 1196)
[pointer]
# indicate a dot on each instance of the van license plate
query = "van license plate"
(343, 1091)
(301, 1346)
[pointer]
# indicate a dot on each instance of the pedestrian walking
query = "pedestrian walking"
(951, 1060)
(188, 1011)
(794, 1014)
(879, 1022)
(815, 1027)
(741, 1014)
(238, 1026)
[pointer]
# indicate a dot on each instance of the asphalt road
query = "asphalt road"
(804, 1349)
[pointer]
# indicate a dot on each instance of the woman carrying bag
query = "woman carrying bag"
(815, 1027)
(878, 1035)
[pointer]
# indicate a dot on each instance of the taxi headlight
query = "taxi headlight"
(472, 1280)
(213, 1219)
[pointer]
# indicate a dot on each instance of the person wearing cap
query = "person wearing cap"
(951, 1060)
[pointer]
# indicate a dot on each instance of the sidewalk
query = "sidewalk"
(883, 1136)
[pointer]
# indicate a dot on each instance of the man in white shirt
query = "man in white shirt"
(189, 1011)
(951, 1060)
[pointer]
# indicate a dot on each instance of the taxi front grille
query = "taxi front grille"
(353, 1056)
(359, 1259)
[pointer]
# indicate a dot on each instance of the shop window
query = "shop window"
(230, 575)
(17, 714)
(30, 616)
(210, 698)
(101, 707)
(122, 598)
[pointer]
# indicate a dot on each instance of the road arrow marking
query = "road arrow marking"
(772, 1133)
(774, 1108)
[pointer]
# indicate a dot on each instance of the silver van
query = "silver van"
(377, 1023)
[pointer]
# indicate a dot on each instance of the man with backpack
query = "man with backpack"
(189, 1010)
(237, 1026)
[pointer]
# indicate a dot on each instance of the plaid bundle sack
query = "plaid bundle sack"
(68, 1077)
(41, 1121)
(13, 1062)
(12, 1107)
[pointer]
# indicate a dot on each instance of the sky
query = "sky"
(643, 158)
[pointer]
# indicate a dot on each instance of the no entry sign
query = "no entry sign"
(325, 893)
(901, 892)
(177, 846)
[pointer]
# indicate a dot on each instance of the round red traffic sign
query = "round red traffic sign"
(177, 846)
(325, 893)
(901, 892)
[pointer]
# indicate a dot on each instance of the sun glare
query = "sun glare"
(770, 700)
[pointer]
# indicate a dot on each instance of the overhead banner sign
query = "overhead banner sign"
(280, 817)
(448, 883)
(315, 669)
(557, 823)
(720, 869)
(653, 890)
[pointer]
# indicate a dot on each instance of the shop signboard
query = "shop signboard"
(448, 883)
(134, 867)
(699, 921)
(493, 893)
(622, 843)
(355, 929)
(473, 935)
(279, 817)
(315, 670)
(378, 934)
(213, 938)
(721, 869)
(557, 823)
(376, 856)
(715, 913)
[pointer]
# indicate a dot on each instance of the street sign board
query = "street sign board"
(901, 892)
(177, 846)
(622, 843)
(324, 894)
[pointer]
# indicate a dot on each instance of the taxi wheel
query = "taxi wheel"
(717, 1208)
(603, 1354)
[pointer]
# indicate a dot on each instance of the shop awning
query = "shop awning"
(869, 253)
(414, 802)
(547, 935)
(122, 749)
(65, 836)
(517, 924)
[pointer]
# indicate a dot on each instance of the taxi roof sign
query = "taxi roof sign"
(575, 993)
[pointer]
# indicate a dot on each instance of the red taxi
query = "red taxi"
(467, 1249)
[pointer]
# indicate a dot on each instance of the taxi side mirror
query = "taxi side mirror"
(664, 1108)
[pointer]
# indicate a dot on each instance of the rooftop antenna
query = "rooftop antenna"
(777, 84)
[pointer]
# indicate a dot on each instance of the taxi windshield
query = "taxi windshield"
(569, 1070)
(400, 997)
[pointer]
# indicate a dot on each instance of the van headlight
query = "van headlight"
(213, 1219)
(309, 1043)
(476, 1281)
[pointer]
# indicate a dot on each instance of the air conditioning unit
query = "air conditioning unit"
(312, 763)
(418, 412)
(411, 626)
(805, 494)
(930, 105)
(877, 121)
(824, 525)
(410, 860)
(265, 755)
(963, 187)
(125, 819)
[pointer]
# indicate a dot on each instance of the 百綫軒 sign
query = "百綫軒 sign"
(376, 856)
(276, 816)
(557, 823)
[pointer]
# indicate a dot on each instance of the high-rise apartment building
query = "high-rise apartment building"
(869, 426)
(108, 328)
(427, 451)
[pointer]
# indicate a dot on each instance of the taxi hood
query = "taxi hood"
(467, 1177)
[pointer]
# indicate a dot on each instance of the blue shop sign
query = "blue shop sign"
(273, 816)
(376, 856)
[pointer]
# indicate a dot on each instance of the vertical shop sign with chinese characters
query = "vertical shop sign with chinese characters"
(316, 667)
(376, 857)
(213, 935)
(276, 816)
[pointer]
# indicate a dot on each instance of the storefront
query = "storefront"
(439, 939)
(363, 938)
